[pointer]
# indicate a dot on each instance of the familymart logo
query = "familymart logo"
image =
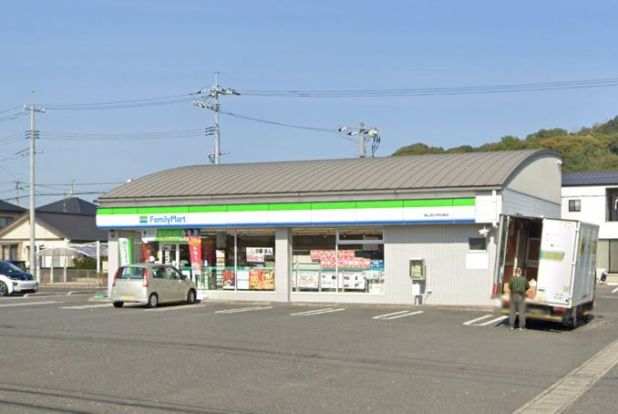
(171, 219)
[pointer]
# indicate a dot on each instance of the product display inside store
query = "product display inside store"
(333, 260)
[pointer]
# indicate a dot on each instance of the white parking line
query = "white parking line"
(317, 312)
(174, 308)
(10, 305)
(249, 309)
(403, 315)
(386, 315)
(100, 305)
(493, 321)
(615, 290)
(468, 323)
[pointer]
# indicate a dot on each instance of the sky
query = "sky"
(60, 55)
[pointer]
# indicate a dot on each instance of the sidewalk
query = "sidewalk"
(69, 288)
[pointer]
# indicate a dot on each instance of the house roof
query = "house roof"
(70, 205)
(4, 206)
(74, 227)
(590, 178)
(443, 171)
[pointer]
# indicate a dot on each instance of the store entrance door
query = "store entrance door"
(170, 253)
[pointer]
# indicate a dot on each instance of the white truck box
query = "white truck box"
(560, 255)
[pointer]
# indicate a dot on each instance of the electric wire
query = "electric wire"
(465, 90)
(11, 117)
(122, 104)
(283, 124)
(10, 109)
(119, 136)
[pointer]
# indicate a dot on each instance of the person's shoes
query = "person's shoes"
(512, 328)
(522, 329)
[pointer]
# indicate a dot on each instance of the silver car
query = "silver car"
(151, 284)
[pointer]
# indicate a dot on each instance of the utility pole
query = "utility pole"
(361, 140)
(213, 93)
(33, 135)
(17, 190)
(372, 134)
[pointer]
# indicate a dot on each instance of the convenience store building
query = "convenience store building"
(395, 230)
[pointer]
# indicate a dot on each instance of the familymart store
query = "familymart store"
(363, 246)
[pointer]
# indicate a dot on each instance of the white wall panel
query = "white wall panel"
(444, 248)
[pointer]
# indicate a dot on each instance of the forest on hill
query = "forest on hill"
(589, 149)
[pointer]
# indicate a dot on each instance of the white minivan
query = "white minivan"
(151, 284)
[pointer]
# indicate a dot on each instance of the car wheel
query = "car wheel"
(191, 297)
(153, 300)
(4, 291)
(118, 304)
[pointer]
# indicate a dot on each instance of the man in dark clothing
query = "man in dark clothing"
(518, 285)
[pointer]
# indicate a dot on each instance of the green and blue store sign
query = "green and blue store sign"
(442, 210)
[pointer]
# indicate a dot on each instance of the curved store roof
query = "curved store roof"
(398, 173)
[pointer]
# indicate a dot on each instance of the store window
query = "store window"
(575, 205)
(242, 260)
(477, 243)
(338, 260)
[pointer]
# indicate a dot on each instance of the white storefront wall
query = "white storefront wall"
(455, 274)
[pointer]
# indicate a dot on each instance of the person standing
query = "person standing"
(518, 285)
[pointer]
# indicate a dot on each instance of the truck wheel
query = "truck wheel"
(576, 315)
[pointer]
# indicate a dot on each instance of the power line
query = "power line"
(465, 90)
(282, 124)
(128, 136)
(123, 104)
(10, 109)
(11, 117)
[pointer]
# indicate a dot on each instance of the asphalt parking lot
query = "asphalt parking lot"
(68, 353)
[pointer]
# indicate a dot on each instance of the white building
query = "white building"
(396, 230)
(593, 197)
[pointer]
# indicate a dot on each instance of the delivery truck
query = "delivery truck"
(558, 257)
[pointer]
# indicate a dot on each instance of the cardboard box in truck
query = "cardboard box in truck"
(559, 259)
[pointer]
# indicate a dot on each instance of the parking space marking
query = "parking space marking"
(174, 308)
(615, 290)
(317, 312)
(386, 315)
(11, 305)
(249, 309)
(493, 321)
(403, 315)
(468, 323)
(100, 305)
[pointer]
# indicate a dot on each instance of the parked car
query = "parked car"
(15, 279)
(151, 284)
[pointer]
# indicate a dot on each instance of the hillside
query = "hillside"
(589, 149)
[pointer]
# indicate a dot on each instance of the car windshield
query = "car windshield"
(8, 267)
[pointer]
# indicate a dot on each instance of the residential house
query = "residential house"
(59, 224)
(593, 197)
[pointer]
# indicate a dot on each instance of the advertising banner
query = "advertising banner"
(125, 249)
(195, 253)
(261, 279)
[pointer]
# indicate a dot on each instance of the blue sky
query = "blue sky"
(72, 52)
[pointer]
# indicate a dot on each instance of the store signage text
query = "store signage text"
(163, 219)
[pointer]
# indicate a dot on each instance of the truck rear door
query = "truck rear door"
(503, 230)
(556, 261)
